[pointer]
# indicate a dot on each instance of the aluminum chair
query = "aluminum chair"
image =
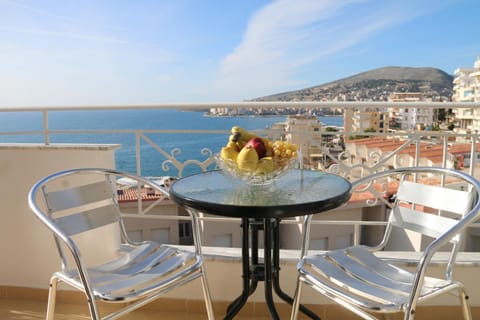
(367, 285)
(80, 207)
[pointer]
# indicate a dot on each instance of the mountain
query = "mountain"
(375, 85)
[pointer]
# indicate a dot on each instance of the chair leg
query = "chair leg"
(52, 295)
(296, 300)
(92, 305)
(467, 315)
(207, 296)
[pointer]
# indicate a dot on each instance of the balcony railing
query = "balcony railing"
(351, 159)
(44, 131)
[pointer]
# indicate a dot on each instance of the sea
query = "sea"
(184, 146)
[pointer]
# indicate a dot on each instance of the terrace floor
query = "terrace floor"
(22, 303)
(32, 309)
(25, 309)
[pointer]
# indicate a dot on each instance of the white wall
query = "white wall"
(29, 256)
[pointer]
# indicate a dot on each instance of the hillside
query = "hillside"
(375, 85)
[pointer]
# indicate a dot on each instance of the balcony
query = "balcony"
(27, 155)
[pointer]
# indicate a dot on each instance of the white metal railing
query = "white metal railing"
(343, 163)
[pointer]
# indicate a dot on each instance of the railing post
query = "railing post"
(356, 234)
(139, 172)
(473, 152)
(417, 150)
(46, 137)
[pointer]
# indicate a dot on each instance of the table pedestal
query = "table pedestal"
(268, 271)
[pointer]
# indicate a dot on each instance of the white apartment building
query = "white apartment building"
(383, 119)
(466, 88)
(410, 118)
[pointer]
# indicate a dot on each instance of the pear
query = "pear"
(247, 159)
(265, 165)
(229, 153)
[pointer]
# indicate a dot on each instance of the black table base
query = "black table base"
(268, 271)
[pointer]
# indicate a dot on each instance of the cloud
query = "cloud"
(273, 31)
(75, 36)
(286, 35)
(56, 18)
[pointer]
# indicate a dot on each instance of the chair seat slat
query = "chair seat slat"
(323, 269)
(114, 284)
(146, 265)
(146, 253)
(367, 283)
(120, 284)
(358, 259)
(362, 254)
(371, 274)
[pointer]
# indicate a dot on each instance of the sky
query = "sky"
(124, 52)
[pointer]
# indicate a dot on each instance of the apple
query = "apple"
(259, 146)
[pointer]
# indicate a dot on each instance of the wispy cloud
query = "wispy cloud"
(289, 34)
(64, 19)
(68, 27)
(272, 31)
(77, 36)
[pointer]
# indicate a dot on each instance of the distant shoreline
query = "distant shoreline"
(206, 113)
(264, 115)
(245, 116)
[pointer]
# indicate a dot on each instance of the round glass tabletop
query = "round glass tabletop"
(298, 192)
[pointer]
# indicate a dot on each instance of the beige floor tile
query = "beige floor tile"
(22, 309)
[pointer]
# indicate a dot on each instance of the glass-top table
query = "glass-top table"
(299, 192)
(261, 207)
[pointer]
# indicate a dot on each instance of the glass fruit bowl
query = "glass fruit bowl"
(262, 172)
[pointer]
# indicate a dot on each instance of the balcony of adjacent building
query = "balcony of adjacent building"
(24, 160)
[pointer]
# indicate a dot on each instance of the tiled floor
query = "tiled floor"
(24, 309)
(19, 309)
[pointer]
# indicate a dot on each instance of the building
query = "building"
(410, 118)
(368, 119)
(466, 88)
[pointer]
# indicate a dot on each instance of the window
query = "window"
(160, 235)
(184, 229)
(319, 244)
(343, 241)
(223, 240)
(136, 235)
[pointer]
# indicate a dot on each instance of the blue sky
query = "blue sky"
(97, 52)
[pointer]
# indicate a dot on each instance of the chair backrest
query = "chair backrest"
(429, 209)
(424, 201)
(80, 206)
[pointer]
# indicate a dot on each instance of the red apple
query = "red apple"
(259, 146)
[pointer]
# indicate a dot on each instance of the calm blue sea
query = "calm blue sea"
(190, 145)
